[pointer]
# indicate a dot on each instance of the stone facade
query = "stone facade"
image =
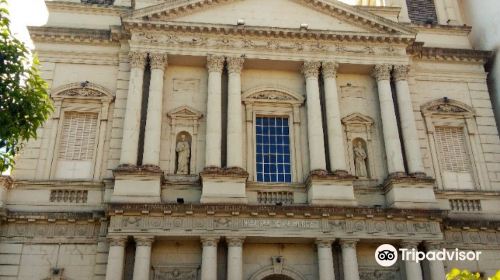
(158, 162)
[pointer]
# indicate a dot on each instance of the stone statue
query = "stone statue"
(183, 152)
(360, 160)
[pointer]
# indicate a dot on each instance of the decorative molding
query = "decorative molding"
(310, 69)
(271, 95)
(185, 113)
(82, 90)
(80, 8)
(382, 72)
(215, 63)
(418, 51)
(277, 268)
(177, 272)
(447, 106)
(137, 59)
(158, 60)
(70, 35)
(119, 241)
(144, 240)
(400, 72)
(235, 64)
(235, 241)
(329, 69)
(359, 119)
(68, 196)
(209, 241)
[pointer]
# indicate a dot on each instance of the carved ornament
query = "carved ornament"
(119, 241)
(310, 69)
(447, 106)
(324, 243)
(84, 90)
(144, 240)
(348, 243)
(382, 72)
(215, 63)
(158, 60)
(329, 69)
(400, 72)
(235, 64)
(235, 241)
(137, 59)
(209, 241)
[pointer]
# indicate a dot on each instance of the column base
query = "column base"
(223, 185)
(410, 192)
(328, 189)
(137, 184)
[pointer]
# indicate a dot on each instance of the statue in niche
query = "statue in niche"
(360, 159)
(183, 150)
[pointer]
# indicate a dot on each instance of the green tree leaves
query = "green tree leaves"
(24, 100)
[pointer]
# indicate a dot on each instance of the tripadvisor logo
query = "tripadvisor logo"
(387, 255)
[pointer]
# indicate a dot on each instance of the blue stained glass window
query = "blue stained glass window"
(273, 149)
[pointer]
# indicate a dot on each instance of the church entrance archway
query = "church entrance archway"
(277, 277)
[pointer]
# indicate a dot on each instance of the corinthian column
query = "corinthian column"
(314, 122)
(234, 117)
(407, 118)
(413, 270)
(116, 258)
(209, 258)
(325, 259)
(214, 112)
(389, 123)
(142, 261)
(349, 259)
(235, 258)
(333, 121)
(436, 267)
(155, 104)
(132, 120)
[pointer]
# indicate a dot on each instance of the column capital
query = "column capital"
(382, 72)
(209, 241)
(137, 59)
(119, 241)
(235, 241)
(324, 243)
(348, 243)
(235, 64)
(158, 60)
(144, 240)
(329, 69)
(410, 244)
(215, 63)
(433, 245)
(310, 69)
(400, 72)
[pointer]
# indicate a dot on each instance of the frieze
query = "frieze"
(50, 230)
(375, 273)
(175, 273)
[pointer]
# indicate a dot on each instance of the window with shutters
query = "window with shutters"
(77, 145)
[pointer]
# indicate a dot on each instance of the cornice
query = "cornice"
(418, 51)
(353, 15)
(70, 35)
(270, 32)
(81, 8)
(442, 29)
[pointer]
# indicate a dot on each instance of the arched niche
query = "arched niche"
(361, 145)
(359, 127)
(183, 144)
(272, 272)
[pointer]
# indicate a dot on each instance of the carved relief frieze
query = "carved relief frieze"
(175, 273)
(377, 273)
(44, 230)
(472, 238)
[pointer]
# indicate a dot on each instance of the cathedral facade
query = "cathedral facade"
(255, 140)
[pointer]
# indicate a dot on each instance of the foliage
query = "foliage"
(24, 100)
(457, 274)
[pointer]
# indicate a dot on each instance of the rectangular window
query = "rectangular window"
(273, 163)
(78, 137)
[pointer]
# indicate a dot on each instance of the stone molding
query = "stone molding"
(158, 60)
(209, 241)
(119, 241)
(235, 241)
(137, 59)
(144, 240)
(329, 69)
(348, 243)
(400, 72)
(418, 51)
(71, 35)
(82, 90)
(382, 72)
(445, 106)
(81, 8)
(324, 243)
(269, 94)
(232, 172)
(215, 63)
(310, 69)
(127, 169)
(235, 64)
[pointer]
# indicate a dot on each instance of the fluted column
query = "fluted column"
(413, 269)
(116, 258)
(209, 258)
(333, 119)
(317, 160)
(235, 258)
(436, 267)
(325, 259)
(234, 119)
(142, 261)
(132, 119)
(349, 259)
(214, 112)
(382, 74)
(407, 118)
(152, 135)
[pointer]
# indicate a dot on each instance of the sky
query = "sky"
(25, 13)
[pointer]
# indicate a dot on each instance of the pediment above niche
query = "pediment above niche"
(357, 119)
(272, 95)
(82, 90)
(447, 107)
(185, 112)
(317, 14)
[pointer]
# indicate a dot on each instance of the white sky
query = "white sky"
(26, 13)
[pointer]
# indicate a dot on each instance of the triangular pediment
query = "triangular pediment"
(82, 90)
(357, 118)
(184, 112)
(328, 15)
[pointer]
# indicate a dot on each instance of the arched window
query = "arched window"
(454, 144)
(79, 126)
